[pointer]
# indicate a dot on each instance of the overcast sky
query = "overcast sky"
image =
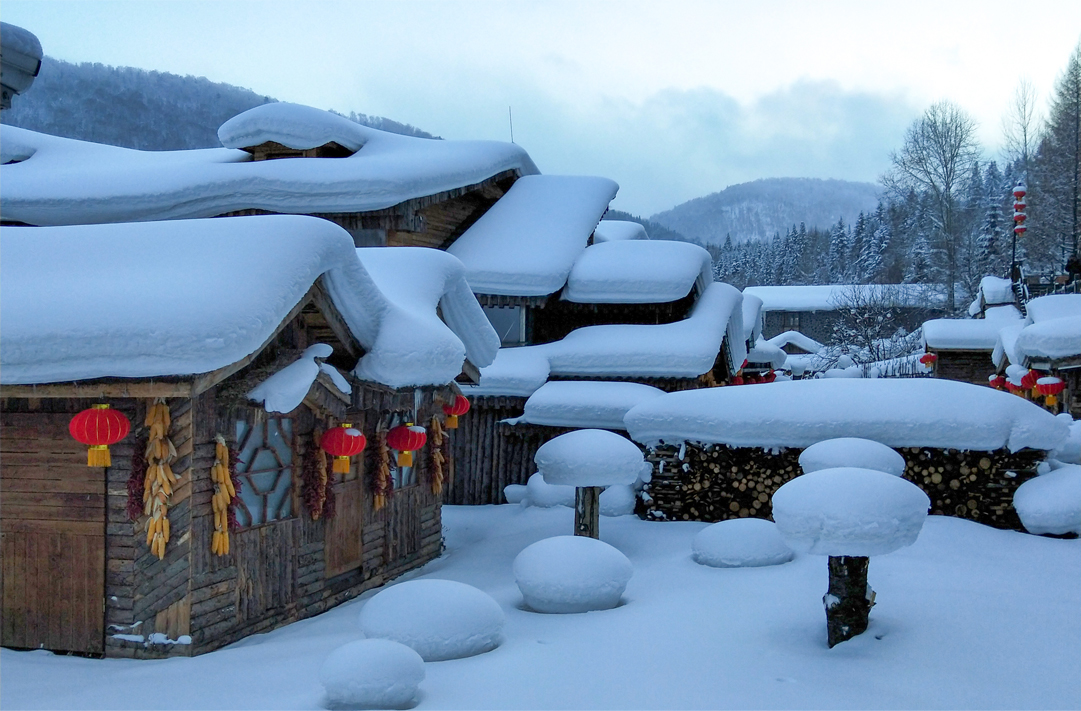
(673, 100)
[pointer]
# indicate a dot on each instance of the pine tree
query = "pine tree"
(838, 253)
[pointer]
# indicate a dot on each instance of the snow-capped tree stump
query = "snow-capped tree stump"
(849, 514)
(587, 509)
(589, 460)
(849, 599)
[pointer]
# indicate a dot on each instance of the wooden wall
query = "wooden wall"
(964, 366)
(557, 318)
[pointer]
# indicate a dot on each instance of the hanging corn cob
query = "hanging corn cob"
(381, 489)
(224, 491)
(158, 486)
(437, 456)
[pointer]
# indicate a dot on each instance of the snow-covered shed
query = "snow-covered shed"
(964, 346)
(230, 345)
(1048, 340)
(383, 188)
(813, 310)
(722, 452)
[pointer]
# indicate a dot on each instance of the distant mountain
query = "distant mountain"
(655, 230)
(135, 108)
(760, 209)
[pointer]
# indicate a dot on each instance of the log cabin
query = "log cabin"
(230, 345)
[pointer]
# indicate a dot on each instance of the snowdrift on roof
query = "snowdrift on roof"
(906, 412)
(61, 181)
(192, 296)
(615, 230)
(831, 297)
(526, 244)
(293, 125)
(638, 272)
(585, 404)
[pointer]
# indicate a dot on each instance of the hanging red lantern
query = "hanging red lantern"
(997, 381)
(928, 359)
(1019, 217)
(736, 380)
(1020, 229)
(1019, 191)
(459, 407)
(769, 377)
(1020, 206)
(406, 439)
(99, 427)
(1014, 389)
(343, 442)
(1028, 381)
(1050, 388)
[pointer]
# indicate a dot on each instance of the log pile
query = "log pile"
(715, 482)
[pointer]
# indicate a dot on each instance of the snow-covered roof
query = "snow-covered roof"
(767, 353)
(615, 230)
(293, 125)
(638, 272)
(752, 317)
(185, 297)
(526, 244)
(831, 296)
(683, 349)
(61, 181)
(902, 412)
(418, 279)
(1052, 339)
(962, 333)
(585, 404)
(995, 291)
(1052, 330)
(797, 339)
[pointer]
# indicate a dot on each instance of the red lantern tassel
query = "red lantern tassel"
(405, 459)
(98, 456)
(452, 422)
(341, 465)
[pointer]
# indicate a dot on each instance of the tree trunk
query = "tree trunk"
(587, 508)
(849, 599)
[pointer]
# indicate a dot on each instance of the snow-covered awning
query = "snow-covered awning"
(618, 230)
(185, 297)
(831, 297)
(526, 244)
(585, 404)
(109, 184)
(902, 412)
(683, 349)
(797, 339)
(638, 272)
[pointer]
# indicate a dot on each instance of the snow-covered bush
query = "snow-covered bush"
(571, 574)
(851, 452)
(372, 674)
(740, 543)
(1051, 503)
(440, 619)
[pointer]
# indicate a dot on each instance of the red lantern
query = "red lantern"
(1050, 387)
(928, 359)
(1015, 389)
(997, 381)
(736, 380)
(1019, 206)
(343, 442)
(1028, 382)
(456, 410)
(769, 377)
(99, 427)
(1019, 217)
(1019, 192)
(1020, 229)
(406, 439)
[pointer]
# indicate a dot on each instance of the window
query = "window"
(791, 320)
(265, 467)
(508, 322)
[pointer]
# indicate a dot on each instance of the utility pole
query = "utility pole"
(510, 117)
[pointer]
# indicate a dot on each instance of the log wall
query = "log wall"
(717, 482)
(964, 366)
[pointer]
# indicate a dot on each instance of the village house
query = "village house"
(238, 350)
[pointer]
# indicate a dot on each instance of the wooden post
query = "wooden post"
(587, 508)
(849, 600)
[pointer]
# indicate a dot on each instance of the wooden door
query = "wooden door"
(343, 537)
(52, 527)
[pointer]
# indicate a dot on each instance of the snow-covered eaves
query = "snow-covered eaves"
(638, 272)
(526, 244)
(60, 181)
(584, 404)
(966, 333)
(830, 297)
(180, 298)
(292, 125)
(795, 338)
(418, 280)
(752, 317)
(683, 349)
(618, 230)
(765, 353)
(902, 412)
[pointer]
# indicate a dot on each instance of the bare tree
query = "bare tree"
(939, 151)
(1021, 125)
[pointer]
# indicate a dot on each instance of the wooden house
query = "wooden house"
(230, 343)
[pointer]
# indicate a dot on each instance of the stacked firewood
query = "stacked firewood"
(717, 482)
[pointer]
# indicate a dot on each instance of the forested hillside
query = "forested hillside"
(760, 209)
(135, 108)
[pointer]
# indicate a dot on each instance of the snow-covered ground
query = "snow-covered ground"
(968, 617)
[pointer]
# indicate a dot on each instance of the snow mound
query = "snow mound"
(545, 495)
(285, 390)
(851, 452)
(567, 574)
(849, 511)
(617, 500)
(515, 493)
(1051, 503)
(440, 619)
(589, 458)
(740, 543)
(293, 125)
(372, 674)
(614, 230)
(638, 272)
(1070, 450)
(576, 403)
